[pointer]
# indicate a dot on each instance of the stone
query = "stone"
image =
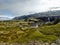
(58, 41)
(54, 44)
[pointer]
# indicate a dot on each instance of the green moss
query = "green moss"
(17, 34)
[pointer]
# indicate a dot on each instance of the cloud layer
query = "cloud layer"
(23, 7)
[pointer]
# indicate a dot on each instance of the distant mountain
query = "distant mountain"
(4, 18)
(36, 15)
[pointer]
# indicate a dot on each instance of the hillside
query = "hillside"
(10, 32)
(37, 15)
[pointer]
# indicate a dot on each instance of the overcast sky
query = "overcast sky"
(11, 8)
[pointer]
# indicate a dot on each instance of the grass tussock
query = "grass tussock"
(15, 33)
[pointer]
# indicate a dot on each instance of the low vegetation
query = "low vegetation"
(10, 32)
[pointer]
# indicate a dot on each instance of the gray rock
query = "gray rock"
(58, 41)
(45, 43)
(54, 44)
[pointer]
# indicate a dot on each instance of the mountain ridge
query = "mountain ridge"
(36, 15)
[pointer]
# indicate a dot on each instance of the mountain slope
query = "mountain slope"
(36, 15)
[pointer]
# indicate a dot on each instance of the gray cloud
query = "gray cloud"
(19, 7)
(22, 7)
